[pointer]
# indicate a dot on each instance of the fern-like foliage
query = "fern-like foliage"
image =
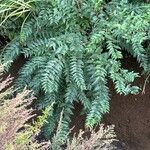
(73, 48)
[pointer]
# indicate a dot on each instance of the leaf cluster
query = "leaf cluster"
(72, 49)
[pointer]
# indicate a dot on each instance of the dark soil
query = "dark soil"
(130, 114)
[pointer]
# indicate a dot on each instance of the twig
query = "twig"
(144, 86)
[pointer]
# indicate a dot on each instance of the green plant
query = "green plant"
(72, 49)
(103, 139)
(26, 139)
(14, 113)
(16, 133)
(14, 10)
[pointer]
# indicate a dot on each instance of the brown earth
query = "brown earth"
(130, 114)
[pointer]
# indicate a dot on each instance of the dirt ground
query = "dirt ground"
(130, 114)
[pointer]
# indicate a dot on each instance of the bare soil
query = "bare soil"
(130, 114)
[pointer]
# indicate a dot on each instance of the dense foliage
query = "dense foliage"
(15, 111)
(72, 48)
(17, 134)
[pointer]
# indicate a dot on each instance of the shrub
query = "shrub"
(103, 139)
(16, 134)
(72, 49)
(14, 113)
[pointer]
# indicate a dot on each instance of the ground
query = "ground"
(130, 114)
